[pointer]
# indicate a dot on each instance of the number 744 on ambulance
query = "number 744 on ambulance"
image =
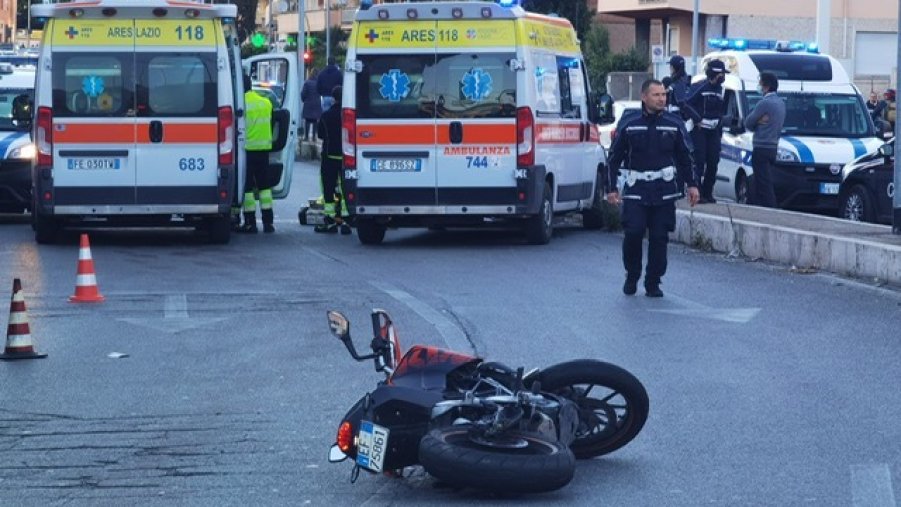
(467, 113)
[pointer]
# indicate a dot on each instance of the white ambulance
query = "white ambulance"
(826, 123)
(467, 113)
(139, 116)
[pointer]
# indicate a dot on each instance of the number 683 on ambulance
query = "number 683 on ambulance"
(139, 116)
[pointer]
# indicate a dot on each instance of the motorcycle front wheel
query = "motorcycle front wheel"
(613, 404)
(534, 465)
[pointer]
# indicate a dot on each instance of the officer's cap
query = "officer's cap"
(716, 66)
(677, 61)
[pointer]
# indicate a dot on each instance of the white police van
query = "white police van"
(16, 148)
(826, 122)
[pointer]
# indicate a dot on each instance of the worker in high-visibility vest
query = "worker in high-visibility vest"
(330, 173)
(258, 144)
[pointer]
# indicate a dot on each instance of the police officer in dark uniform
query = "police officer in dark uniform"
(705, 106)
(677, 85)
(652, 148)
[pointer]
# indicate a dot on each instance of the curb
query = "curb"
(852, 257)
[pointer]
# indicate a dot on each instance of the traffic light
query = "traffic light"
(307, 57)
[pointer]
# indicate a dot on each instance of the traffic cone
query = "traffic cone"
(18, 335)
(85, 280)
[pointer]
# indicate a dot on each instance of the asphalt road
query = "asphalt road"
(208, 376)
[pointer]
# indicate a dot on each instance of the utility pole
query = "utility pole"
(301, 42)
(896, 200)
(824, 25)
(328, 31)
(695, 21)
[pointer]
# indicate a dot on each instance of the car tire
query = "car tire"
(857, 205)
(46, 229)
(593, 217)
(370, 232)
(742, 187)
(540, 227)
(220, 229)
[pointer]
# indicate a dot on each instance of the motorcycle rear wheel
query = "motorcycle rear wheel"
(450, 455)
(613, 404)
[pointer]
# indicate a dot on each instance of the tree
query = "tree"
(576, 11)
(600, 61)
(246, 23)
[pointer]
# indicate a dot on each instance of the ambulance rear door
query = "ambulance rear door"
(276, 76)
(177, 88)
(395, 116)
(475, 90)
(95, 157)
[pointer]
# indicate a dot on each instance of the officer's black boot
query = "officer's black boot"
(268, 218)
(652, 289)
(250, 223)
(632, 261)
(631, 286)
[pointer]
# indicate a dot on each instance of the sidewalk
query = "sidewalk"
(802, 240)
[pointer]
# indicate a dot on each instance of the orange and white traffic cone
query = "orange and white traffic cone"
(86, 290)
(18, 334)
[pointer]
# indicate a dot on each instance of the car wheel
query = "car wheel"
(741, 188)
(593, 217)
(856, 205)
(46, 229)
(540, 227)
(370, 232)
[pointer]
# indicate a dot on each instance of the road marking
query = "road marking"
(697, 310)
(175, 317)
(453, 336)
(871, 486)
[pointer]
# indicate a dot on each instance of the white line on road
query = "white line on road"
(871, 486)
(452, 334)
(693, 309)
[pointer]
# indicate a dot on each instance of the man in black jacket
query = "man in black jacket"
(652, 147)
(328, 79)
(330, 173)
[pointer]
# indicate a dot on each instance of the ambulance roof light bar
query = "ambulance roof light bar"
(741, 44)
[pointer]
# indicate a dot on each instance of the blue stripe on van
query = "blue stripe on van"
(859, 148)
(8, 140)
(804, 152)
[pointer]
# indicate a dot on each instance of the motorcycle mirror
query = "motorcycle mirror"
(338, 324)
(335, 455)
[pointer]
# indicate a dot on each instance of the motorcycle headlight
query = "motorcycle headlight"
(26, 151)
(783, 155)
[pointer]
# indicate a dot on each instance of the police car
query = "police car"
(16, 148)
(826, 124)
(868, 187)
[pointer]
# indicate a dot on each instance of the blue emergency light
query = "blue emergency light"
(508, 3)
(740, 44)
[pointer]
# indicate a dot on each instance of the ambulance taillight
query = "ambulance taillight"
(525, 137)
(349, 138)
(43, 136)
(226, 136)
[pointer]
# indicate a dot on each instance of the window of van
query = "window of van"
(89, 85)
(822, 114)
(449, 86)
(7, 96)
(180, 85)
(547, 84)
(572, 87)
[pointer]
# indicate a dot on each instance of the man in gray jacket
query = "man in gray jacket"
(765, 121)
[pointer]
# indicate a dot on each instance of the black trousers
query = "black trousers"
(330, 172)
(761, 191)
(657, 221)
(707, 157)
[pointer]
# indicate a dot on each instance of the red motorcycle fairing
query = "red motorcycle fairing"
(425, 367)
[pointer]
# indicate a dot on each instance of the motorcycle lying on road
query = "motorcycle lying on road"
(480, 424)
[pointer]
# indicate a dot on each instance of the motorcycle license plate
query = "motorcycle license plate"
(372, 444)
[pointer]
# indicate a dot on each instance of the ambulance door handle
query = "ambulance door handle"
(156, 131)
(456, 132)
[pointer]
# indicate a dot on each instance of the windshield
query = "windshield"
(479, 85)
(822, 114)
(7, 95)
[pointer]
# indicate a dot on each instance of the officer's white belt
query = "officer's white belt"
(665, 174)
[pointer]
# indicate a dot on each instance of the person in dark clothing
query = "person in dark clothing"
(765, 120)
(677, 86)
(328, 79)
(875, 106)
(312, 105)
(330, 173)
(652, 147)
(705, 107)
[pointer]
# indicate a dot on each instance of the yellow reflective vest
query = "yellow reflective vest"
(259, 122)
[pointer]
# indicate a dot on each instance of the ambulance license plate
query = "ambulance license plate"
(372, 444)
(396, 165)
(95, 163)
(829, 188)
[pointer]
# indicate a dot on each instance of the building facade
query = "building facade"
(863, 33)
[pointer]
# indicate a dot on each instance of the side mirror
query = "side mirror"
(385, 340)
(601, 108)
(335, 455)
(887, 150)
(339, 325)
(23, 111)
